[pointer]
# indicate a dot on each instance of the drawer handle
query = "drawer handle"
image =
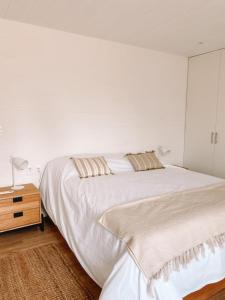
(17, 199)
(18, 214)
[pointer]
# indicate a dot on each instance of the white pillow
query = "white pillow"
(118, 165)
(64, 166)
(117, 162)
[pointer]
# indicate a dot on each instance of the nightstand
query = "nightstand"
(20, 209)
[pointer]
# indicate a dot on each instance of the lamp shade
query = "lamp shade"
(19, 163)
(163, 151)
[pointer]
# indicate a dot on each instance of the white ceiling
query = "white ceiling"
(175, 26)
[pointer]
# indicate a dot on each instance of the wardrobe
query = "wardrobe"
(205, 114)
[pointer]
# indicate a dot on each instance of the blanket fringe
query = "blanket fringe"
(184, 259)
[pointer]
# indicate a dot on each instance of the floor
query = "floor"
(28, 238)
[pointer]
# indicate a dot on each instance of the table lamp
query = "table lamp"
(19, 164)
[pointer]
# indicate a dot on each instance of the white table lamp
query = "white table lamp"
(19, 164)
(163, 151)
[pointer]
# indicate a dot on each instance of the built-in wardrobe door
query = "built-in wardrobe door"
(202, 96)
(219, 155)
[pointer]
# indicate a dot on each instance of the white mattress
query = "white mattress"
(75, 206)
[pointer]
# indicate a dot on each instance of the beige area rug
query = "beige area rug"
(48, 272)
(219, 296)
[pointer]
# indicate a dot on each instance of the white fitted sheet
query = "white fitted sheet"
(75, 206)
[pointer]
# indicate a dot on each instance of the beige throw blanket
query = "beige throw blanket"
(166, 232)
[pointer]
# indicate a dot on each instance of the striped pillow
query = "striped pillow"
(144, 161)
(91, 166)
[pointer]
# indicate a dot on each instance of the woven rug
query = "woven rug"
(219, 296)
(48, 272)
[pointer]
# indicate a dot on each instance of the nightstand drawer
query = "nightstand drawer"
(19, 203)
(19, 218)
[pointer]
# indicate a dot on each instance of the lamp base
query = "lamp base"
(17, 187)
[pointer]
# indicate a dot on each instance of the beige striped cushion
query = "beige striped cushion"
(91, 166)
(144, 161)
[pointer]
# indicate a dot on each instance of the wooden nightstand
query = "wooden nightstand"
(20, 208)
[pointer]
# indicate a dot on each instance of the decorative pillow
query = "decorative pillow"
(144, 161)
(91, 166)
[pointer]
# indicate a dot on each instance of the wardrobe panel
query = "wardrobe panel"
(219, 156)
(202, 96)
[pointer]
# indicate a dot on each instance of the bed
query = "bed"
(75, 206)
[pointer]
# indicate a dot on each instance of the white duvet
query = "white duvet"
(75, 206)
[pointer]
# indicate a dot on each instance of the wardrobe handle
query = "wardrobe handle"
(216, 138)
(212, 137)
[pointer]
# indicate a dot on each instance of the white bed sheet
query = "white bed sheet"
(75, 206)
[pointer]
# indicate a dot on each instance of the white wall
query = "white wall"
(62, 93)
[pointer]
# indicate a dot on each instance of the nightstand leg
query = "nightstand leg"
(42, 224)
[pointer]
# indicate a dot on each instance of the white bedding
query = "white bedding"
(75, 206)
